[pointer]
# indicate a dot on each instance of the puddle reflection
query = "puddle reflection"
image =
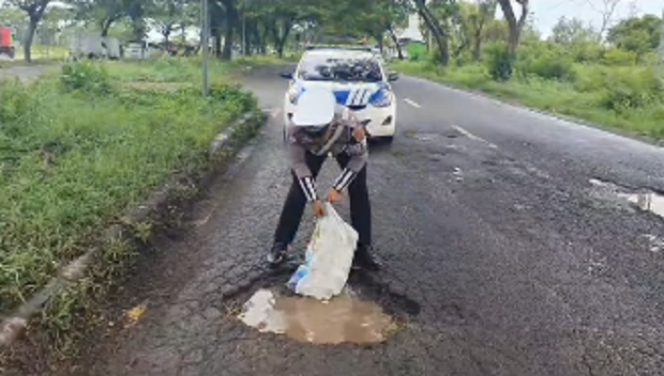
(645, 200)
(343, 319)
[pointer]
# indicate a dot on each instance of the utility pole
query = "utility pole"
(244, 35)
(205, 46)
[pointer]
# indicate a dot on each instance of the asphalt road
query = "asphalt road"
(502, 259)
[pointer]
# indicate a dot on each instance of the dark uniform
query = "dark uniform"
(308, 148)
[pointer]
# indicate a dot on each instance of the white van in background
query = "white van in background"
(94, 46)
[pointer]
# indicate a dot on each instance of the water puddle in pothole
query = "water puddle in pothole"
(644, 200)
(655, 243)
(342, 319)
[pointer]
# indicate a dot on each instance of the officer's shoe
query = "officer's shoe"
(365, 259)
(277, 254)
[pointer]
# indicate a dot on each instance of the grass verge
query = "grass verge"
(41, 55)
(580, 99)
(76, 151)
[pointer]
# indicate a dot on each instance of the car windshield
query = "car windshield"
(328, 68)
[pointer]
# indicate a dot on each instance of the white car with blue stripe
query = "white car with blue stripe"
(358, 80)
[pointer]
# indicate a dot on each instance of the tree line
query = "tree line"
(457, 30)
(261, 23)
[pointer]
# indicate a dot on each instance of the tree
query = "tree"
(104, 13)
(456, 22)
(281, 24)
(232, 23)
(515, 25)
(11, 16)
(486, 12)
(471, 20)
(606, 11)
(572, 31)
(435, 29)
(52, 25)
(638, 35)
(35, 10)
(275, 20)
(170, 15)
(138, 12)
(217, 21)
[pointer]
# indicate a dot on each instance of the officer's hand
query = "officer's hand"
(359, 134)
(335, 196)
(317, 206)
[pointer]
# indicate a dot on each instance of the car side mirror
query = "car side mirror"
(365, 122)
(286, 75)
(392, 76)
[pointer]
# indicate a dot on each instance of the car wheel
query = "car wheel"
(388, 139)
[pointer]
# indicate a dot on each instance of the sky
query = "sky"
(546, 13)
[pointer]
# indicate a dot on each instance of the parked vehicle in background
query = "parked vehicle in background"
(93, 46)
(113, 49)
(135, 51)
(359, 81)
(7, 42)
(138, 50)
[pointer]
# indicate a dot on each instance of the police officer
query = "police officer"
(321, 126)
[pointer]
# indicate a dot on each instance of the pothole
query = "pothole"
(655, 243)
(342, 319)
(422, 136)
(645, 200)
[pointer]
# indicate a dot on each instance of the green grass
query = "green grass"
(584, 97)
(79, 148)
(41, 55)
(168, 70)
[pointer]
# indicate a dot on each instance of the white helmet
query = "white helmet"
(315, 108)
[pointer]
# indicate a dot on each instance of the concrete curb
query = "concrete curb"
(224, 145)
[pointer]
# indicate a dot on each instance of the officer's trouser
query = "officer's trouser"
(360, 207)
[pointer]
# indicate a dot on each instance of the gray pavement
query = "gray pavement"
(500, 259)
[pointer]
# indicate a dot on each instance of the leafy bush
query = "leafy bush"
(416, 52)
(85, 76)
(415, 56)
(628, 89)
(618, 57)
(544, 60)
(586, 52)
(498, 61)
(590, 78)
(548, 67)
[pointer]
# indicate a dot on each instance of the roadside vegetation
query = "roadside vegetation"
(87, 141)
(41, 55)
(80, 147)
(611, 79)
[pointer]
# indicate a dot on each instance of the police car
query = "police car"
(358, 80)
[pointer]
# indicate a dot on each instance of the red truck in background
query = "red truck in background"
(6, 42)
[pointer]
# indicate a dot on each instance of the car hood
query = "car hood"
(347, 93)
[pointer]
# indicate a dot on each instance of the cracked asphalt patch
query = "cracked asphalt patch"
(513, 270)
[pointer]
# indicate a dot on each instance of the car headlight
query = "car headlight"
(293, 94)
(382, 98)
